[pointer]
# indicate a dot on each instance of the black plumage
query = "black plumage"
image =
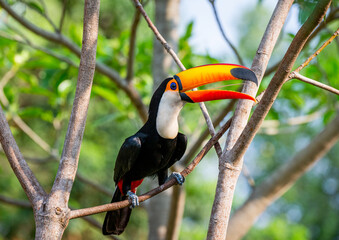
(144, 154)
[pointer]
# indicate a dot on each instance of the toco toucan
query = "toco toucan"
(158, 144)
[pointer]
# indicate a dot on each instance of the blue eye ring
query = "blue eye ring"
(173, 86)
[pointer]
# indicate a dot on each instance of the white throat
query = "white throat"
(167, 118)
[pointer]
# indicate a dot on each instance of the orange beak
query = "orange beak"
(207, 74)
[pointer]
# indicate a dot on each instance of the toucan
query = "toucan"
(158, 144)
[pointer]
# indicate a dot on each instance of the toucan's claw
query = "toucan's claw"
(180, 178)
(133, 199)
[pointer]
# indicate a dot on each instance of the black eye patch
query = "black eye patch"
(173, 86)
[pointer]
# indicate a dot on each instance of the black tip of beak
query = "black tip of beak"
(244, 74)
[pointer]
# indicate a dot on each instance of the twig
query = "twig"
(42, 49)
(296, 75)
(308, 60)
(43, 14)
(224, 34)
(63, 14)
(300, 77)
(158, 35)
(331, 17)
(155, 191)
(15, 202)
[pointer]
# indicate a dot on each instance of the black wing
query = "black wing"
(127, 156)
(181, 147)
(176, 156)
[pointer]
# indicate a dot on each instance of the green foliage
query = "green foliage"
(42, 92)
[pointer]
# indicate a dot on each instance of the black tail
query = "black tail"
(116, 221)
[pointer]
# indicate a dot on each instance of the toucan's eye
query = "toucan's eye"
(173, 86)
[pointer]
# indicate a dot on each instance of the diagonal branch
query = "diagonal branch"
(309, 59)
(30, 184)
(28, 181)
(300, 77)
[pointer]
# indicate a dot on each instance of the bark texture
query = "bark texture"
(281, 180)
(228, 170)
(52, 218)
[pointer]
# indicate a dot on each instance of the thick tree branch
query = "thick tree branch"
(69, 159)
(228, 173)
(26, 204)
(281, 180)
(38, 140)
(28, 181)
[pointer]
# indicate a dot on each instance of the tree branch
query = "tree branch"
(300, 77)
(69, 159)
(235, 155)
(309, 59)
(229, 172)
(278, 80)
(26, 204)
(42, 49)
(28, 181)
(15, 202)
(281, 180)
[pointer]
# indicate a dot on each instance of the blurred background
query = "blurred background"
(37, 86)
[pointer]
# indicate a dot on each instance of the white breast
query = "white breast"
(168, 112)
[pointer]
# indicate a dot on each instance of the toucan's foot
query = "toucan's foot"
(180, 178)
(133, 198)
